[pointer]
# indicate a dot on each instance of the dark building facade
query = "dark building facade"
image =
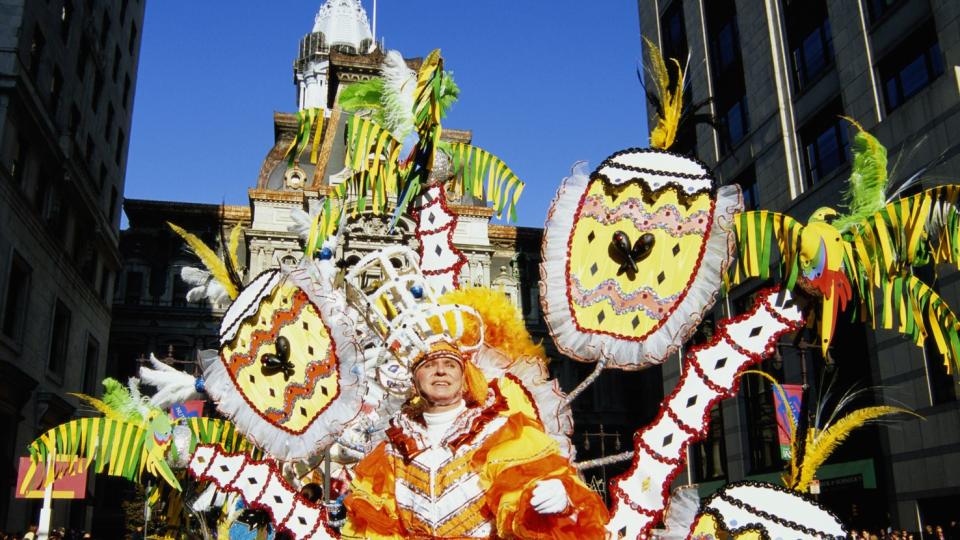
(780, 73)
(68, 69)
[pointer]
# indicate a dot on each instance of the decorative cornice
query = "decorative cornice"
(470, 210)
(231, 213)
(258, 194)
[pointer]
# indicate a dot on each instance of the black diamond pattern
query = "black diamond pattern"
(252, 378)
(277, 499)
(305, 325)
(692, 401)
(323, 390)
(594, 268)
(272, 393)
(720, 363)
(301, 520)
(676, 249)
(438, 250)
(755, 332)
(310, 349)
(224, 468)
(601, 317)
(591, 236)
(660, 277)
(431, 218)
(303, 411)
(667, 440)
(635, 321)
(251, 480)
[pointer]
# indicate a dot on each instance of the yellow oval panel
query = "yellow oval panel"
(609, 299)
(290, 401)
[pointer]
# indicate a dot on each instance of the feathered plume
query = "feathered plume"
(204, 286)
(814, 447)
(173, 386)
(868, 179)
(218, 269)
(668, 102)
(399, 82)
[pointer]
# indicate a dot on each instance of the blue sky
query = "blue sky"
(543, 84)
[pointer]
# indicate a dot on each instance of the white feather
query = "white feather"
(194, 276)
(399, 84)
(302, 222)
(205, 500)
(206, 288)
(173, 386)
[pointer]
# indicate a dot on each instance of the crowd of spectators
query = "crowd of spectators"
(949, 531)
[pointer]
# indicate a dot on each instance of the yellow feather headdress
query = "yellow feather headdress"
(218, 267)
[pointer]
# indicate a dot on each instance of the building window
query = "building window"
(747, 180)
(134, 289)
(97, 91)
(19, 163)
(762, 420)
(943, 386)
(730, 91)
(88, 151)
(810, 39)
(90, 366)
(83, 54)
(133, 38)
(126, 92)
(674, 32)
(710, 454)
(121, 142)
(879, 8)
(36, 52)
(180, 289)
(59, 339)
(74, 124)
(66, 16)
(105, 285)
(113, 205)
(15, 299)
(116, 63)
(825, 143)
(56, 89)
(734, 123)
(104, 29)
(108, 130)
(911, 66)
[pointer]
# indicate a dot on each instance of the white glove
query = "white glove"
(549, 497)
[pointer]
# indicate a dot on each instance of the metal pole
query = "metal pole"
(326, 475)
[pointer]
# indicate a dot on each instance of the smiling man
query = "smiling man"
(457, 463)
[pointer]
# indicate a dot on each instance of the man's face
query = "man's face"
(439, 380)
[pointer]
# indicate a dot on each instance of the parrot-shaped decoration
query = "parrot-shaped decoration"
(131, 437)
(871, 250)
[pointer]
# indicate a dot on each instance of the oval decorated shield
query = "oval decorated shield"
(633, 256)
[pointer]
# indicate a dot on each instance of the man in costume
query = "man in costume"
(459, 463)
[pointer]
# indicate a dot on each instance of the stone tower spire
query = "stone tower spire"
(340, 25)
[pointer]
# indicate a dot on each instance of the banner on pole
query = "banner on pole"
(73, 486)
(793, 394)
(187, 409)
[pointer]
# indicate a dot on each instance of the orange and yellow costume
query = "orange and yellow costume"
(476, 483)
